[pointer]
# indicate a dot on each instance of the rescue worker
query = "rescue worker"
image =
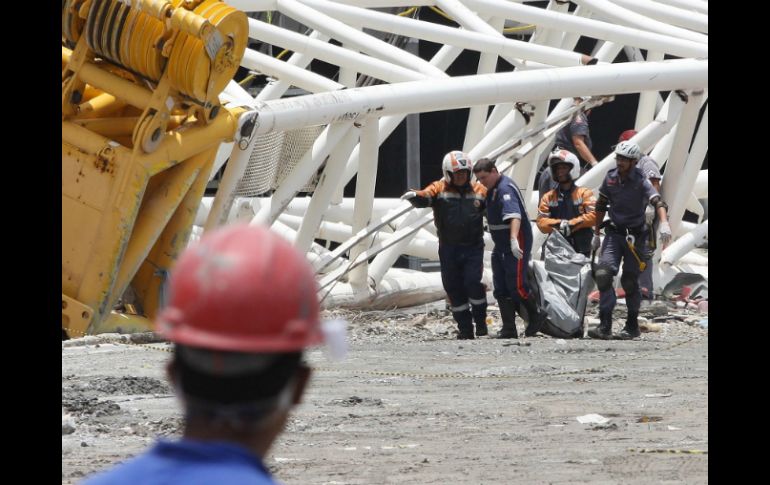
(568, 208)
(625, 192)
(575, 137)
(650, 168)
(458, 209)
(243, 307)
(512, 234)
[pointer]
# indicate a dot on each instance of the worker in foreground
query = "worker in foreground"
(243, 308)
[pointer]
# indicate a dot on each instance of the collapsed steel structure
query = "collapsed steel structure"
(316, 143)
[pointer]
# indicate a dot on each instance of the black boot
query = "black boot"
(464, 324)
(631, 330)
(535, 318)
(508, 316)
(481, 329)
(604, 330)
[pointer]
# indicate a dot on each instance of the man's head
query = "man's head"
(456, 167)
(564, 166)
(626, 155)
(243, 307)
(486, 172)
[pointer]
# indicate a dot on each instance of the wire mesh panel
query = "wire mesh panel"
(273, 158)
(296, 143)
(259, 176)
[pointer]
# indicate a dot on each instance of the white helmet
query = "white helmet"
(455, 161)
(628, 149)
(564, 156)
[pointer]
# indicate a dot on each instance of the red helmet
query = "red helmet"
(627, 135)
(242, 289)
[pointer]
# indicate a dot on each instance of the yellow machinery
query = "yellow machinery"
(141, 124)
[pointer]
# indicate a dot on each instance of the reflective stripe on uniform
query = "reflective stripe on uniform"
(499, 227)
(448, 195)
(480, 301)
(459, 308)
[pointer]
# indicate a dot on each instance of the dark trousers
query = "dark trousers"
(509, 274)
(461, 271)
(614, 249)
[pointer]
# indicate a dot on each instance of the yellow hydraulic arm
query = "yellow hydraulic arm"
(141, 124)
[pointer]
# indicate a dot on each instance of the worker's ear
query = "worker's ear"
(300, 381)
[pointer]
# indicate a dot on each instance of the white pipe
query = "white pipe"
(223, 154)
(673, 180)
(570, 39)
(299, 77)
(330, 53)
(420, 245)
(304, 169)
(463, 91)
(591, 28)
(662, 149)
(277, 88)
(645, 138)
(494, 44)
(443, 59)
(701, 189)
(398, 288)
(474, 129)
(666, 13)
(362, 213)
(343, 212)
(239, 160)
(693, 205)
(325, 189)
(550, 37)
(237, 94)
(614, 13)
(694, 5)
(686, 179)
(366, 43)
(684, 244)
(386, 258)
(645, 111)
(252, 5)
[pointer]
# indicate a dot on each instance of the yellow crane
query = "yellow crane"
(141, 124)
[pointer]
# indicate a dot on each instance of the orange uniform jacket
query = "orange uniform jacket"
(584, 205)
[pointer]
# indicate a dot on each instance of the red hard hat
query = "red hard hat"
(627, 135)
(242, 289)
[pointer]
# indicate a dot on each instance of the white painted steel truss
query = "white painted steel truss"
(374, 232)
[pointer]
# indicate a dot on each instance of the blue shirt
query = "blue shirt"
(627, 199)
(189, 462)
(505, 202)
(578, 126)
(649, 167)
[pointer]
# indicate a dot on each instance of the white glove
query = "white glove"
(664, 230)
(564, 228)
(596, 243)
(409, 195)
(515, 249)
(649, 215)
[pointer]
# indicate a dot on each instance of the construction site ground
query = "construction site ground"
(411, 404)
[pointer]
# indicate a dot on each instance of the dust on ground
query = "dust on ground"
(410, 404)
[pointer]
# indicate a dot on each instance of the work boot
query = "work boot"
(481, 329)
(508, 316)
(604, 330)
(631, 330)
(535, 317)
(465, 336)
